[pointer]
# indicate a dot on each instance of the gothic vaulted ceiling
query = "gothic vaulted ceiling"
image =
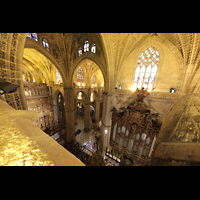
(114, 49)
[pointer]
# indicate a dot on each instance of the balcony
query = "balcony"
(24, 144)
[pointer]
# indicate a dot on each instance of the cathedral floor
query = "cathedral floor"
(88, 141)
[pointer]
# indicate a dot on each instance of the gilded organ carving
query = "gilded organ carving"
(133, 132)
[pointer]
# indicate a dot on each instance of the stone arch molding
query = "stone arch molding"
(96, 60)
(11, 57)
(41, 49)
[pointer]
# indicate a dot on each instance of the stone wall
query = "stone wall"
(179, 135)
(169, 74)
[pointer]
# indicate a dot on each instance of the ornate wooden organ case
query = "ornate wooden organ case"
(133, 134)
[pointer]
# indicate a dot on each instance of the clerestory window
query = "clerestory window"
(45, 44)
(58, 77)
(93, 48)
(80, 75)
(86, 46)
(33, 35)
(146, 69)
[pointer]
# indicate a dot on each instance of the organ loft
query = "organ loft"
(99, 99)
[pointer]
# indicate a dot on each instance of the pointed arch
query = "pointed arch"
(146, 69)
(32, 44)
(96, 60)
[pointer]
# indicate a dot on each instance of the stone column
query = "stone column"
(97, 111)
(69, 113)
(87, 111)
(97, 105)
(106, 123)
(87, 118)
(55, 110)
(22, 96)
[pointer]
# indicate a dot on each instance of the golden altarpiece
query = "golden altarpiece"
(133, 132)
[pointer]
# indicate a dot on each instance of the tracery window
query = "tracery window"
(86, 46)
(146, 69)
(58, 77)
(80, 75)
(94, 80)
(45, 44)
(93, 48)
(33, 35)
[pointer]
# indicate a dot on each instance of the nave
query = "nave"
(87, 144)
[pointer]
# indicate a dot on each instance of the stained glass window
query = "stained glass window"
(33, 35)
(80, 51)
(93, 48)
(86, 46)
(29, 35)
(45, 44)
(80, 75)
(101, 95)
(146, 69)
(58, 77)
(94, 80)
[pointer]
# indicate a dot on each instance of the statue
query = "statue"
(141, 94)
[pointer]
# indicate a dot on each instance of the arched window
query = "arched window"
(58, 77)
(59, 98)
(86, 46)
(146, 69)
(80, 95)
(33, 35)
(80, 75)
(45, 44)
(94, 80)
(80, 51)
(29, 35)
(93, 48)
(92, 97)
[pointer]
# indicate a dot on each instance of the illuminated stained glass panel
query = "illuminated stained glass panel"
(93, 48)
(80, 75)
(94, 80)
(146, 69)
(80, 51)
(45, 44)
(33, 35)
(86, 46)
(58, 77)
